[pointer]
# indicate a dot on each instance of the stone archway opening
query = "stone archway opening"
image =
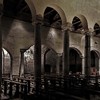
(50, 62)
(94, 62)
(75, 61)
(76, 23)
(79, 23)
(29, 61)
(97, 28)
(52, 18)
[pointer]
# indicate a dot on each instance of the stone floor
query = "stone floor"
(3, 97)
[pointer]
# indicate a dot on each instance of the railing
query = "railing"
(71, 86)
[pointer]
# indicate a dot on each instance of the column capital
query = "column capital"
(86, 32)
(22, 50)
(59, 54)
(66, 26)
(82, 57)
(38, 20)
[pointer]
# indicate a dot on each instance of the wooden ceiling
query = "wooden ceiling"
(17, 9)
(52, 18)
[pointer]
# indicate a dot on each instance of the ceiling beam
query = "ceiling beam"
(19, 4)
(25, 7)
(56, 16)
(58, 20)
(48, 12)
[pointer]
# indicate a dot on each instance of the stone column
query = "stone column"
(83, 66)
(0, 50)
(3, 61)
(21, 70)
(42, 66)
(44, 59)
(58, 64)
(66, 52)
(11, 68)
(87, 54)
(99, 66)
(37, 54)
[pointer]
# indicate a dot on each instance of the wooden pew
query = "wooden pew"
(5, 77)
(17, 86)
(22, 79)
(78, 84)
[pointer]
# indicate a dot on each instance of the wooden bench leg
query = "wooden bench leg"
(5, 87)
(25, 92)
(28, 82)
(17, 90)
(10, 91)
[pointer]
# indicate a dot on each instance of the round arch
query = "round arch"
(29, 59)
(97, 52)
(50, 65)
(75, 60)
(56, 19)
(78, 51)
(59, 11)
(95, 57)
(97, 28)
(32, 9)
(81, 21)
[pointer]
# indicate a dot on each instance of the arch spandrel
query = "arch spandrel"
(54, 39)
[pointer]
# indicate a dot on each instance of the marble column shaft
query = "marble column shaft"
(87, 55)
(58, 64)
(37, 55)
(0, 50)
(21, 71)
(66, 52)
